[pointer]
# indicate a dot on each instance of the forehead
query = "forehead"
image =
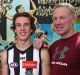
(61, 11)
(22, 19)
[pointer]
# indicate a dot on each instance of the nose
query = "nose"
(22, 27)
(57, 21)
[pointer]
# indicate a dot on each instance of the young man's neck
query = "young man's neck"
(23, 45)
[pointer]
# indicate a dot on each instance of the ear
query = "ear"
(14, 31)
(74, 19)
(31, 30)
(52, 28)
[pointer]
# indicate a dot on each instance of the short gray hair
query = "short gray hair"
(67, 5)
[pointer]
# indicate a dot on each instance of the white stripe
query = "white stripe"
(22, 70)
(10, 60)
(36, 58)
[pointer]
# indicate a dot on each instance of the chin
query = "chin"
(60, 33)
(23, 39)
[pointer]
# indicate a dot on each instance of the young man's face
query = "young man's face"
(62, 21)
(22, 28)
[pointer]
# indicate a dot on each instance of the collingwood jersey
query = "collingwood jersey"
(26, 62)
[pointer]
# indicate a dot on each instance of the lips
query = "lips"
(59, 28)
(22, 33)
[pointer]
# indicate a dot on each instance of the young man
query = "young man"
(21, 58)
(65, 52)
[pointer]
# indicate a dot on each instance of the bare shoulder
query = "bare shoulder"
(4, 52)
(4, 56)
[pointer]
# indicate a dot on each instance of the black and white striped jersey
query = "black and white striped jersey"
(27, 62)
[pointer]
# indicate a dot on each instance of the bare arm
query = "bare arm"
(45, 58)
(9, 16)
(33, 6)
(7, 6)
(32, 11)
(4, 63)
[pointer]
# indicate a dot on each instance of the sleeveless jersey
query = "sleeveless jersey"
(17, 60)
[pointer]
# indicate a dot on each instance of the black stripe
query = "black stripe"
(29, 57)
(29, 53)
(16, 59)
(40, 64)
